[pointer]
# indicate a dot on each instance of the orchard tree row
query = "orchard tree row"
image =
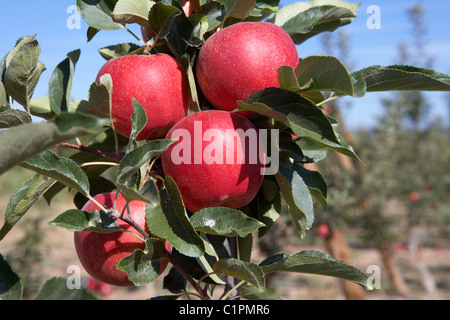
(144, 154)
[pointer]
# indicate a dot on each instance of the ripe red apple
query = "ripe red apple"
(158, 82)
(99, 253)
(414, 196)
(207, 168)
(323, 230)
(188, 6)
(241, 59)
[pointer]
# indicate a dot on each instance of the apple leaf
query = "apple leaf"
(3, 95)
(250, 292)
(118, 50)
(100, 97)
(214, 13)
(23, 199)
(23, 72)
(142, 266)
(314, 262)
(303, 20)
(318, 73)
(60, 84)
(59, 168)
(11, 287)
(138, 122)
(304, 118)
(246, 271)
(134, 160)
(298, 198)
(40, 107)
(34, 138)
(171, 24)
(57, 289)
(132, 11)
(239, 9)
(224, 222)
(13, 117)
(169, 220)
(77, 221)
(399, 78)
(97, 14)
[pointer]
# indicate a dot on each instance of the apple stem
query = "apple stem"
(133, 223)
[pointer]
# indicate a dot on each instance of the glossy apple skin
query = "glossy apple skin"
(229, 184)
(158, 82)
(99, 253)
(242, 59)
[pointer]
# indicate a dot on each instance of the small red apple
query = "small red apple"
(99, 253)
(158, 82)
(211, 163)
(188, 6)
(414, 196)
(242, 59)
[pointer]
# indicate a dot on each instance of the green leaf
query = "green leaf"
(160, 14)
(138, 122)
(298, 198)
(224, 222)
(97, 14)
(11, 287)
(169, 220)
(325, 73)
(171, 24)
(250, 292)
(315, 183)
(143, 266)
(40, 107)
(23, 199)
(100, 97)
(399, 78)
(60, 84)
(303, 20)
(20, 143)
(314, 262)
(214, 13)
(57, 289)
(76, 221)
(23, 72)
(3, 95)
(246, 271)
(134, 160)
(304, 118)
(118, 50)
(13, 117)
(132, 11)
(61, 169)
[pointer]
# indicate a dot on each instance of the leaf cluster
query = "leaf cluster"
(76, 147)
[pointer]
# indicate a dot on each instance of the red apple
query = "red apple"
(241, 59)
(158, 82)
(99, 253)
(207, 168)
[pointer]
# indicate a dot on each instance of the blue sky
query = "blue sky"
(48, 19)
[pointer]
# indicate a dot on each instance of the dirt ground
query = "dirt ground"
(58, 254)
